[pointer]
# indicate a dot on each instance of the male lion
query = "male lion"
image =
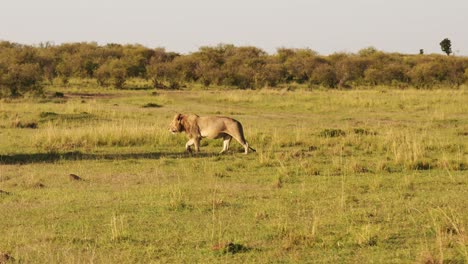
(198, 127)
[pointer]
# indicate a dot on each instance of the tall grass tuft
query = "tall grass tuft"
(55, 139)
(118, 230)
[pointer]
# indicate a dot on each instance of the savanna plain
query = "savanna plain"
(339, 176)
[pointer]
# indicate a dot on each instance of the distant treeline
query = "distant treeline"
(26, 68)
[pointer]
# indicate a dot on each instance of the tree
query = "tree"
(48, 63)
(186, 67)
(89, 68)
(369, 51)
(103, 74)
(210, 63)
(21, 78)
(446, 46)
(465, 76)
(242, 66)
(428, 74)
(350, 70)
(163, 72)
(67, 67)
(113, 70)
(272, 73)
(118, 73)
(324, 75)
(299, 63)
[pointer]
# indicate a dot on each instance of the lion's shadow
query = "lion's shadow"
(18, 159)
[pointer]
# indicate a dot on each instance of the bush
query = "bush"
(272, 74)
(428, 74)
(324, 75)
(113, 71)
(20, 78)
(465, 76)
(332, 133)
(350, 70)
(22, 68)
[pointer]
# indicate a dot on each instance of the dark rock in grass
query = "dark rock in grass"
(452, 229)
(332, 133)
(372, 241)
(231, 248)
(39, 185)
(4, 257)
(313, 148)
(75, 177)
(48, 115)
(59, 95)
(2, 192)
(421, 165)
(362, 131)
(32, 125)
(152, 105)
(19, 124)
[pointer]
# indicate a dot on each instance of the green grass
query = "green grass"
(373, 176)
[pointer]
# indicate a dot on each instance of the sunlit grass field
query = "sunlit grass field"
(370, 176)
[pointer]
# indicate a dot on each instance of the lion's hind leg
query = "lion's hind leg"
(241, 139)
(246, 147)
(226, 141)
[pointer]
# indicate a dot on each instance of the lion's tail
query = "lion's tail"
(252, 149)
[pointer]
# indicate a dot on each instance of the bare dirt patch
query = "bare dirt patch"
(92, 95)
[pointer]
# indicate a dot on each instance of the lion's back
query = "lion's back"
(213, 126)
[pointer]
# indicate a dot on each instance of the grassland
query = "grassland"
(373, 176)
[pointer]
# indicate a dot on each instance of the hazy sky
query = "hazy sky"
(325, 26)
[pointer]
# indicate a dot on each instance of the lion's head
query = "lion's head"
(176, 124)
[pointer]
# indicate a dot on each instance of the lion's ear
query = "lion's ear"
(179, 117)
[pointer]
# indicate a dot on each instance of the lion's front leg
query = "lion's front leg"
(196, 142)
(188, 144)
